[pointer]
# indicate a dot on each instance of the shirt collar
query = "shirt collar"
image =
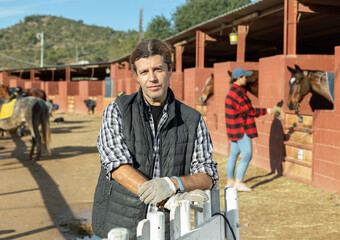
(239, 88)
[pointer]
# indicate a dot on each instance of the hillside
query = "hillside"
(64, 40)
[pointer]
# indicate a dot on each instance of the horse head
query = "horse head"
(298, 87)
(4, 92)
(208, 89)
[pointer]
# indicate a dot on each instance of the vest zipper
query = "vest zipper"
(160, 155)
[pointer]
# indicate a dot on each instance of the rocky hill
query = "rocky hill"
(65, 42)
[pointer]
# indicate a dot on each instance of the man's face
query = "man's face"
(153, 76)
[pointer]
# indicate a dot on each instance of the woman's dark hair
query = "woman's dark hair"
(149, 48)
(232, 80)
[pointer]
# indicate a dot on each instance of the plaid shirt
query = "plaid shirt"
(240, 114)
(114, 151)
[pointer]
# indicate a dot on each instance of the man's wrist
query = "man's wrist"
(175, 182)
(178, 184)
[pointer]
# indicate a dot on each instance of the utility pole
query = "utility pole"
(140, 35)
(77, 55)
(41, 37)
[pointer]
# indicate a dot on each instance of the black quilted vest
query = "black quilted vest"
(114, 206)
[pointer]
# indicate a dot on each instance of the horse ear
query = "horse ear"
(230, 73)
(297, 68)
(292, 70)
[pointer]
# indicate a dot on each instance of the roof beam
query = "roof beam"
(318, 8)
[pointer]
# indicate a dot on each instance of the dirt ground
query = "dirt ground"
(52, 198)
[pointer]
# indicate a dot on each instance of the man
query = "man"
(240, 122)
(90, 104)
(151, 146)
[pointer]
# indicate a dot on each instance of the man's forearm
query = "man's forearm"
(200, 181)
(131, 179)
(128, 177)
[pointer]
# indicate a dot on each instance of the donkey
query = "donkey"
(32, 111)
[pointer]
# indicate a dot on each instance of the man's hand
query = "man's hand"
(156, 190)
(197, 196)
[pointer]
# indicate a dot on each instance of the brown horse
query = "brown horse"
(208, 89)
(319, 83)
(6, 91)
(32, 111)
(252, 86)
(35, 92)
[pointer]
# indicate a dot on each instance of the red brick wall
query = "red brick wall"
(72, 88)
(177, 85)
(52, 88)
(326, 172)
(2, 77)
(15, 82)
(61, 98)
(95, 88)
(269, 149)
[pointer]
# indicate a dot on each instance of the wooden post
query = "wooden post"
(68, 74)
(201, 37)
(179, 52)
(242, 31)
(200, 40)
(32, 74)
(231, 208)
(290, 27)
(157, 225)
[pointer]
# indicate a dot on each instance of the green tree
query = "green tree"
(159, 27)
(194, 12)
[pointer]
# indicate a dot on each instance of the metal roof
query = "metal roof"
(317, 32)
(226, 18)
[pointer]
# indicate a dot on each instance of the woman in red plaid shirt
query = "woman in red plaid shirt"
(240, 121)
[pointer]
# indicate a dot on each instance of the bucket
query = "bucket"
(233, 38)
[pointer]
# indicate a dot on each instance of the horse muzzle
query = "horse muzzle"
(292, 106)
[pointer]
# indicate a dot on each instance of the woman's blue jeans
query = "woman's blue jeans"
(244, 147)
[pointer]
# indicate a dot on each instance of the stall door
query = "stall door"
(298, 161)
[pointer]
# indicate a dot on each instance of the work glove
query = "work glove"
(197, 196)
(156, 190)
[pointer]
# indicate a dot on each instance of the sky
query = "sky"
(120, 15)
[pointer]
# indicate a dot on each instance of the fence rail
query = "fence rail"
(210, 221)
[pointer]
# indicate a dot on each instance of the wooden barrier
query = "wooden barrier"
(210, 222)
(299, 147)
